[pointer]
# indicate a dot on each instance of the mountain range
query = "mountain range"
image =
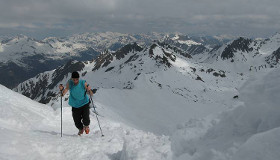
(23, 57)
(161, 69)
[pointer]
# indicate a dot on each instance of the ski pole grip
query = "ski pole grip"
(62, 87)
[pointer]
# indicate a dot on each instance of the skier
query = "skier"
(79, 101)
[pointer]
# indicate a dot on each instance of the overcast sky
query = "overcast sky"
(44, 18)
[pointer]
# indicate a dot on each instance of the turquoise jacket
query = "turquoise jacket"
(77, 97)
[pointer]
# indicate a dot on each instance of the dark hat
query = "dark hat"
(75, 75)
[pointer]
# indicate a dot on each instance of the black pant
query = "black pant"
(81, 116)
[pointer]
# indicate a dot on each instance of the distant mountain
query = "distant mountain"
(121, 68)
(159, 55)
(114, 40)
(247, 54)
(195, 45)
(23, 57)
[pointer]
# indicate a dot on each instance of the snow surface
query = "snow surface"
(250, 131)
(30, 130)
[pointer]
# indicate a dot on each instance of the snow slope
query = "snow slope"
(30, 130)
(250, 131)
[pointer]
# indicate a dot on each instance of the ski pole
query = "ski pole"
(97, 118)
(102, 135)
(61, 111)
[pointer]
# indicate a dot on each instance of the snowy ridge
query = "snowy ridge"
(246, 54)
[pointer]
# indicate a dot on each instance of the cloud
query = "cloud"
(54, 17)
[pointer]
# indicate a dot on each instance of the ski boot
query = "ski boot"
(81, 131)
(86, 128)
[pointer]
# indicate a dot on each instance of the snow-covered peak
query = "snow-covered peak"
(224, 36)
(246, 54)
(51, 39)
(176, 37)
(189, 42)
(276, 36)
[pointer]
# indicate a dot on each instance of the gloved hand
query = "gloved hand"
(61, 88)
(94, 91)
(88, 88)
